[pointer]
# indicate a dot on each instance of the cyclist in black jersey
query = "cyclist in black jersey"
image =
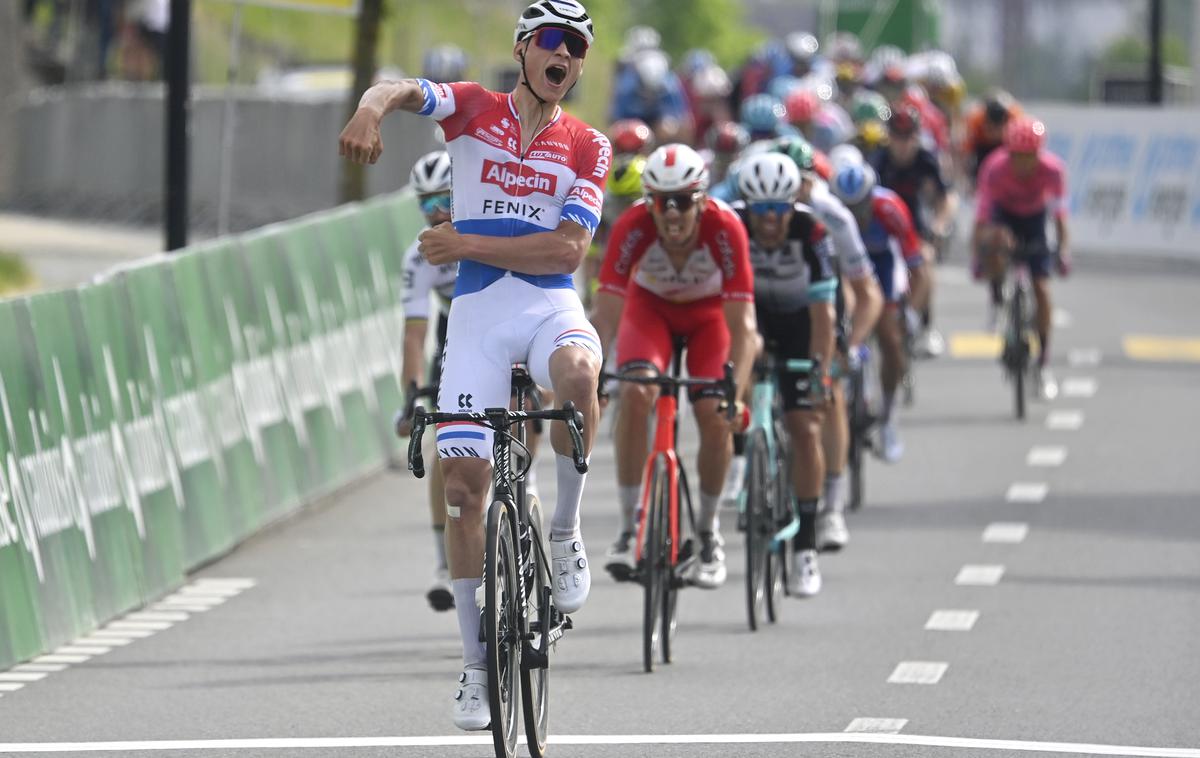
(794, 287)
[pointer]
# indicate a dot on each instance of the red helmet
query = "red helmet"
(802, 105)
(822, 165)
(629, 135)
(728, 138)
(905, 120)
(1024, 135)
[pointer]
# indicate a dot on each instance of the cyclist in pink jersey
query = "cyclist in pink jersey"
(528, 183)
(1018, 187)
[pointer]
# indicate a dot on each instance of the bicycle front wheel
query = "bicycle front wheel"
(1020, 342)
(858, 425)
(501, 628)
(758, 529)
(781, 515)
(655, 566)
(535, 682)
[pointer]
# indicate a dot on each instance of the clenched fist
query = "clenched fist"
(360, 140)
(441, 244)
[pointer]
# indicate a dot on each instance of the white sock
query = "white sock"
(708, 512)
(630, 498)
(439, 545)
(565, 522)
(835, 492)
(474, 655)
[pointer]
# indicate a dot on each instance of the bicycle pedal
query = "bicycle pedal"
(621, 572)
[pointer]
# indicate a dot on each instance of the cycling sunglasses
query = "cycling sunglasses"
(550, 37)
(682, 202)
(764, 207)
(431, 204)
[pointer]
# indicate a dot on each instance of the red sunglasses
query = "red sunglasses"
(550, 37)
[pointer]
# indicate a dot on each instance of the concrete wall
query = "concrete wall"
(97, 151)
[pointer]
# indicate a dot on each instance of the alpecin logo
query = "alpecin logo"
(517, 179)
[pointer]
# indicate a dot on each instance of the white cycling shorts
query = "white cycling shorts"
(509, 321)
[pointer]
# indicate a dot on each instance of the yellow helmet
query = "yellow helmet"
(625, 178)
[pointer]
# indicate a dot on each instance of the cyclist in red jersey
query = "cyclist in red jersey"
(677, 265)
(1019, 186)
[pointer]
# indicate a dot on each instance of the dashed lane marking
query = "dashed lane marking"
(88, 650)
(1141, 347)
(458, 740)
(876, 726)
(45, 668)
(1064, 420)
(979, 575)
(1046, 456)
(1008, 533)
(60, 658)
(975, 345)
(918, 672)
(1026, 492)
(97, 639)
(10, 686)
(155, 616)
(150, 627)
(22, 676)
(1080, 386)
(951, 621)
(1084, 357)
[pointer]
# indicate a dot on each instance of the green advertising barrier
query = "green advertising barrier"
(274, 380)
(21, 566)
(157, 417)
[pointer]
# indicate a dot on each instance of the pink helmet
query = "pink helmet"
(802, 105)
(1024, 135)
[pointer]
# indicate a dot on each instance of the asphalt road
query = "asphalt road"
(1088, 639)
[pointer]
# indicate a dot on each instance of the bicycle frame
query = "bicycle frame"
(666, 409)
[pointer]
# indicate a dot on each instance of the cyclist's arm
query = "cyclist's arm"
(557, 251)
(821, 316)
(387, 96)
(418, 282)
(414, 351)
(360, 140)
(606, 316)
(743, 342)
(868, 304)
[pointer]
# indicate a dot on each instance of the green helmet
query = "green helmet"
(799, 150)
(870, 106)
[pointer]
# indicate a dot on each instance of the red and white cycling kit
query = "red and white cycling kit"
(500, 317)
(1023, 203)
(892, 243)
(663, 302)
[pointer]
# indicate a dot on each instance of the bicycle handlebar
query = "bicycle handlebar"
(498, 419)
(668, 383)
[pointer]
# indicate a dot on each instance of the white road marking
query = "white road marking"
(1026, 492)
(952, 621)
(1064, 421)
(979, 575)
(180, 607)
(193, 599)
(144, 626)
(209, 591)
(876, 726)
(61, 658)
(918, 672)
(1006, 532)
(1079, 387)
(1046, 456)
(460, 740)
(10, 686)
(44, 668)
(22, 676)
(231, 582)
(157, 616)
(1084, 357)
(1061, 319)
(88, 650)
(122, 634)
(102, 639)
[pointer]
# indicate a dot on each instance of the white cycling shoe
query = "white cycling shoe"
(572, 578)
(832, 534)
(710, 570)
(472, 712)
(440, 595)
(804, 579)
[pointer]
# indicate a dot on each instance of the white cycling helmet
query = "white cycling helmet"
(564, 14)
(675, 168)
(844, 154)
(431, 173)
(853, 183)
(768, 177)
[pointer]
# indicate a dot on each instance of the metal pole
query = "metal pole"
(178, 82)
(1156, 52)
(228, 123)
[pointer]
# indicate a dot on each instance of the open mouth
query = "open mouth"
(556, 74)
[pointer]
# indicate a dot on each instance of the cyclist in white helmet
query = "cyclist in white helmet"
(528, 188)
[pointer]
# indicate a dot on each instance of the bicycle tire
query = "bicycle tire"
(781, 515)
(672, 583)
(654, 568)
(758, 529)
(503, 648)
(535, 683)
(857, 428)
(1022, 357)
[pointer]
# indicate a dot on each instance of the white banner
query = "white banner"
(1133, 177)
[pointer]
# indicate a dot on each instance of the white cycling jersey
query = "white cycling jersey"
(421, 279)
(853, 262)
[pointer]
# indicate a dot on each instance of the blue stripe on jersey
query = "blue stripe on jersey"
(474, 276)
(430, 101)
(581, 215)
(822, 291)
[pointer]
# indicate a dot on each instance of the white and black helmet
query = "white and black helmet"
(769, 177)
(564, 14)
(675, 168)
(431, 173)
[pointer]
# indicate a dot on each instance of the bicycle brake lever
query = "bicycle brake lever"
(574, 426)
(416, 463)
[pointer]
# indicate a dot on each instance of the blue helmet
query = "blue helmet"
(444, 63)
(762, 113)
(853, 182)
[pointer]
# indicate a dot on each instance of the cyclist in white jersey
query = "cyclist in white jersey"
(528, 188)
(423, 283)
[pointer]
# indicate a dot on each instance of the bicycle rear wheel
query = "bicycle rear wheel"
(501, 626)
(857, 411)
(758, 529)
(535, 682)
(1020, 342)
(655, 568)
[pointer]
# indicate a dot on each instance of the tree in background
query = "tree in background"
(718, 25)
(13, 81)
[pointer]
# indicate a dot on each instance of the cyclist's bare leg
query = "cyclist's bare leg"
(808, 471)
(574, 372)
(835, 433)
(630, 438)
(437, 508)
(890, 333)
(467, 482)
(1045, 313)
(716, 449)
